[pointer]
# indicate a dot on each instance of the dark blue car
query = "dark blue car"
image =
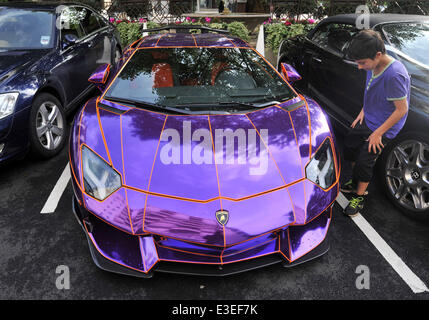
(47, 53)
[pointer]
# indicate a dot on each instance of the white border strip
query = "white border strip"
(260, 44)
(55, 196)
(391, 257)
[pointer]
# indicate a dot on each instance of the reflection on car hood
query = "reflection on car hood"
(181, 169)
(14, 60)
(253, 152)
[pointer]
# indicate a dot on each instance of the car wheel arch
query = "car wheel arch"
(51, 90)
(421, 215)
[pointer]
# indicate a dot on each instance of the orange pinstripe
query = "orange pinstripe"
(151, 171)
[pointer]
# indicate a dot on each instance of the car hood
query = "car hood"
(180, 170)
(13, 61)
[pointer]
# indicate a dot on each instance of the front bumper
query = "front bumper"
(136, 255)
(14, 135)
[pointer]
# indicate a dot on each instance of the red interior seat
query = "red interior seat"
(162, 75)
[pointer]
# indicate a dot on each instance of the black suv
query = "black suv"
(338, 84)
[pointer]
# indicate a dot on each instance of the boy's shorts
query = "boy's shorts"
(356, 150)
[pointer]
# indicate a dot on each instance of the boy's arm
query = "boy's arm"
(359, 119)
(375, 138)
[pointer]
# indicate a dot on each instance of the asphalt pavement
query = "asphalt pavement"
(35, 249)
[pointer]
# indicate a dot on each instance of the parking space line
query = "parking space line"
(57, 192)
(414, 282)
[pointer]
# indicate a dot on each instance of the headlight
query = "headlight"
(321, 168)
(7, 103)
(100, 179)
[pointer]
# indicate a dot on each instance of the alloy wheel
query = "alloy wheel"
(49, 125)
(407, 174)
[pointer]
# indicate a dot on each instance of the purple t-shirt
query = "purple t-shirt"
(393, 83)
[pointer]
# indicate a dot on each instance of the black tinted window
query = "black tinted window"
(411, 38)
(71, 23)
(334, 36)
(103, 23)
(90, 21)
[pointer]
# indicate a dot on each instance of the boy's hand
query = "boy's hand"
(359, 119)
(374, 142)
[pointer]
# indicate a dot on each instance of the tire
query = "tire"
(48, 126)
(404, 175)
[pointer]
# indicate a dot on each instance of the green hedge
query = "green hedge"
(277, 31)
(235, 28)
(131, 31)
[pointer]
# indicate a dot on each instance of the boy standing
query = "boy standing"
(385, 109)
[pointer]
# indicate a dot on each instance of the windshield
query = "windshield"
(177, 77)
(410, 38)
(25, 29)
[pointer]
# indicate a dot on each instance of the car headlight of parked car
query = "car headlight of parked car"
(100, 179)
(7, 103)
(321, 168)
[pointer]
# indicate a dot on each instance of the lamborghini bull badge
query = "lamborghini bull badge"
(222, 216)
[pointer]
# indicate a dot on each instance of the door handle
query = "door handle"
(317, 59)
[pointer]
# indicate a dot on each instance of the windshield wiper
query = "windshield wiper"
(219, 104)
(148, 105)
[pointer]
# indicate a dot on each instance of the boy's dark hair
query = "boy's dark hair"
(365, 45)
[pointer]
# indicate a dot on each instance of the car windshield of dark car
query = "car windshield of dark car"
(25, 29)
(410, 38)
(175, 77)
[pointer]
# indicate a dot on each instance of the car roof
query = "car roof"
(40, 5)
(376, 18)
(192, 40)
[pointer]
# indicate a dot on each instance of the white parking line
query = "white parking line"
(391, 257)
(57, 192)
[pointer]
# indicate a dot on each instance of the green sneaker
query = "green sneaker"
(354, 206)
(348, 187)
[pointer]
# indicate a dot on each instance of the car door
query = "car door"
(338, 82)
(315, 57)
(73, 68)
(110, 41)
(99, 49)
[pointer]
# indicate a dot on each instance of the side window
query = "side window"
(103, 23)
(71, 23)
(320, 36)
(334, 36)
(90, 21)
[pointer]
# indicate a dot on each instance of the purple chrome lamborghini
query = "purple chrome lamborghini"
(198, 157)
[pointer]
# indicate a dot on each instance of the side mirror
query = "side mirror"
(69, 40)
(100, 74)
(289, 73)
